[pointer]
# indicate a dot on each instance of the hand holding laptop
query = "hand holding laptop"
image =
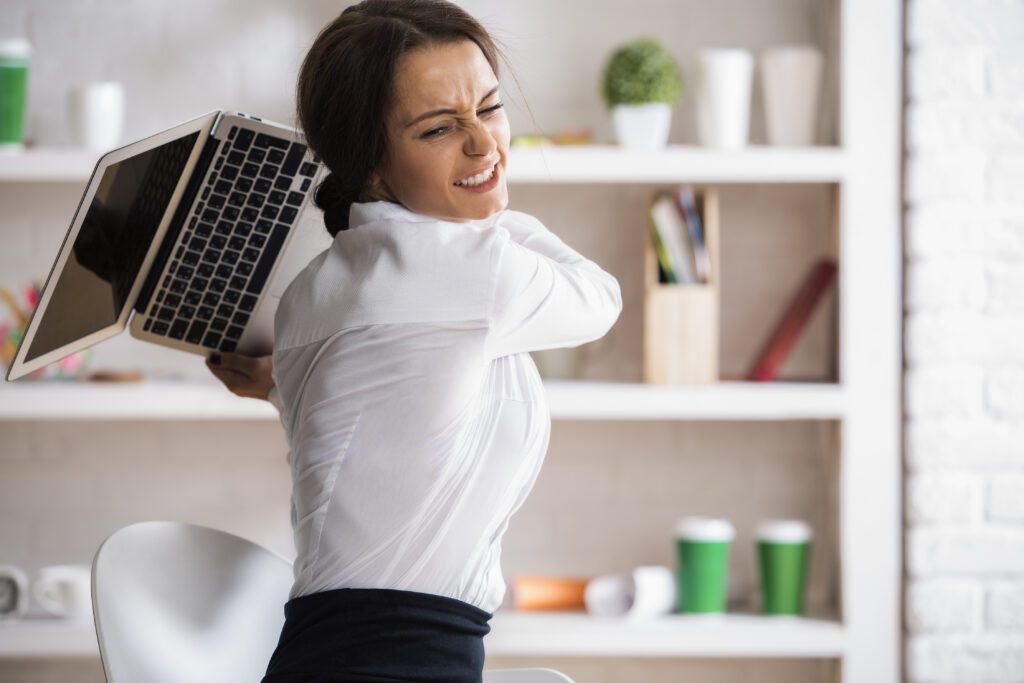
(247, 376)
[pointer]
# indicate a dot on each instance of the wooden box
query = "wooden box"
(681, 321)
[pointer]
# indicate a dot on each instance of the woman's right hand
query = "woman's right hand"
(248, 376)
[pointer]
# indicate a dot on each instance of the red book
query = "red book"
(792, 323)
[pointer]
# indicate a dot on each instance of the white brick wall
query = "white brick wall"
(964, 341)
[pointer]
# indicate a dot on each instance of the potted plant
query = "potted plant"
(641, 86)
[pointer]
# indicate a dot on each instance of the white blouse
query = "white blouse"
(416, 420)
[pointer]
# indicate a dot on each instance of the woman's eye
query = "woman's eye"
(433, 133)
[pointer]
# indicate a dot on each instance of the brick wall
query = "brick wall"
(964, 341)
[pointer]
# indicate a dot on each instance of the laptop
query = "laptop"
(187, 237)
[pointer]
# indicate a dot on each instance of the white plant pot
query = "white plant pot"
(642, 126)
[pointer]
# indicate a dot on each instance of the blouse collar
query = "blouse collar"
(361, 213)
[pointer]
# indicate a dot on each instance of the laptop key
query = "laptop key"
(244, 267)
(172, 300)
(236, 158)
(248, 302)
(229, 172)
(270, 211)
(204, 313)
(219, 324)
(222, 186)
(160, 328)
(225, 310)
(264, 226)
(262, 185)
(257, 155)
(305, 184)
(283, 182)
(276, 156)
(243, 229)
(228, 345)
(233, 132)
(204, 229)
(218, 241)
(276, 197)
(296, 198)
(236, 199)
(250, 254)
(224, 271)
(186, 311)
(234, 332)
(256, 200)
(250, 170)
(238, 282)
(199, 283)
(241, 318)
(211, 298)
(245, 137)
(230, 213)
(178, 329)
(263, 140)
(192, 297)
(250, 214)
(216, 201)
(196, 332)
(166, 314)
(268, 171)
(266, 262)
(288, 215)
(232, 296)
(211, 340)
(236, 242)
(230, 257)
(295, 154)
(308, 170)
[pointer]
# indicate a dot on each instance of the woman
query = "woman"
(416, 419)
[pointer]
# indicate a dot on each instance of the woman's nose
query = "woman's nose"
(480, 141)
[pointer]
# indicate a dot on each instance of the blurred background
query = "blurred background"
(891, 426)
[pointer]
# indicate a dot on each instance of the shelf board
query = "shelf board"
(548, 164)
(550, 634)
(48, 164)
(675, 164)
(47, 637)
(567, 400)
(676, 635)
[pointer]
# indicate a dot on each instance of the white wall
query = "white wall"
(964, 331)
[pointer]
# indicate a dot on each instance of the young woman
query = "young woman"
(415, 417)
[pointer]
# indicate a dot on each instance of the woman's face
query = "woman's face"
(446, 133)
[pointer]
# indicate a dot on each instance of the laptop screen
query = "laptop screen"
(111, 245)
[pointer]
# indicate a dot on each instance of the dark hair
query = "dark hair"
(345, 87)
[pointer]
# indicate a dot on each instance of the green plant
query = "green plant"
(640, 72)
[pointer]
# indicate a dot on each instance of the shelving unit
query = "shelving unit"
(865, 402)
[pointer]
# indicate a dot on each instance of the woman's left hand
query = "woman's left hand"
(248, 376)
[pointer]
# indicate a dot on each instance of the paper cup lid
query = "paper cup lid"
(705, 529)
(15, 47)
(784, 531)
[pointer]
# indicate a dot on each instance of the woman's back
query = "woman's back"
(416, 420)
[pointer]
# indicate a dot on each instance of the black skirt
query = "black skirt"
(377, 634)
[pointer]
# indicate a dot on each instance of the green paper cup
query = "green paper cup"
(702, 546)
(783, 548)
(14, 56)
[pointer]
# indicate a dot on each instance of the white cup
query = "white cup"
(96, 115)
(724, 79)
(791, 76)
(65, 591)
(649, 593)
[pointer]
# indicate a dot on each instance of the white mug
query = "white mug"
(724, 80)
(65, 591)
(791, 76)
(96, 115)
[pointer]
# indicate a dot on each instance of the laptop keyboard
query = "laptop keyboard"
(233, 238)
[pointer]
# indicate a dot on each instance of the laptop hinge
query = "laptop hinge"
(210, 148)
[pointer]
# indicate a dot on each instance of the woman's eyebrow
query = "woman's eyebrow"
(438, 112)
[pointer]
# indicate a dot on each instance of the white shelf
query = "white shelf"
(567, 400)
(48, 164)
(677, 635)
(549, 164)
(47, 637)
(675, 164)
(551, 634)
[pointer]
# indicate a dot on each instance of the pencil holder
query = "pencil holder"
(681, 321)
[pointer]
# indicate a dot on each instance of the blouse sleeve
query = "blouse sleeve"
(546, 294)
(274, 396)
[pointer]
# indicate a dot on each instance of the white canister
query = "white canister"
(642, 126)
(65, 591)
(724, 79)
(96, 115)
(791, 76)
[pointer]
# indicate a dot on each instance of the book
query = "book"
(670, 228)
(665, 270)
(794, 319)
(687, 205)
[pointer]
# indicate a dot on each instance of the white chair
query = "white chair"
(177, 602)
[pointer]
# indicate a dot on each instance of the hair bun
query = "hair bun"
(331, 198)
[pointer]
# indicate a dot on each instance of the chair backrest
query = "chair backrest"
(176, 602)
(525, 676)
(181, 602)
